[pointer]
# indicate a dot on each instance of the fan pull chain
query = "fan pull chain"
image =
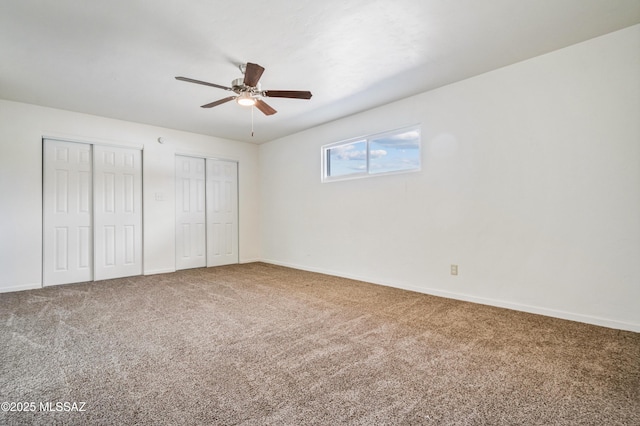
(252, 108)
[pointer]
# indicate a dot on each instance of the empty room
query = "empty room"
(342, 212)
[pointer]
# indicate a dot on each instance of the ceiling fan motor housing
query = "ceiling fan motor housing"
(239, 86)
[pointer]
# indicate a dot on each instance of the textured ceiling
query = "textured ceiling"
(119, 58)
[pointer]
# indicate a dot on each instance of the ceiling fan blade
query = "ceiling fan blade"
(296, 94)
(190, 80)
(252, 74)
(264, 107)
(219, 102)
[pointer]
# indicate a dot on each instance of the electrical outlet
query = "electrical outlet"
(454, 269)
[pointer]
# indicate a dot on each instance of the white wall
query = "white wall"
(530, 183)
(22, 127)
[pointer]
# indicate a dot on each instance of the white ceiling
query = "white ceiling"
(118, 58)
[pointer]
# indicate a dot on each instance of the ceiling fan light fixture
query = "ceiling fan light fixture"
(245, 99)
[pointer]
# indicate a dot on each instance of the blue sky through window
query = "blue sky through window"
(347, 159)
(388, 152)
(396, 152)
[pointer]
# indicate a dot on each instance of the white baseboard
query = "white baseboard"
(159, 271)
(587, 319)
(20, 287)
(249, 260)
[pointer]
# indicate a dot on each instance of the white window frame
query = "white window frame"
(367, 140)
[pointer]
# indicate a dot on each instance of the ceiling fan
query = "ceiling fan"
(248, 91)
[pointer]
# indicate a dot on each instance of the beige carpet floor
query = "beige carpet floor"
(258, 344)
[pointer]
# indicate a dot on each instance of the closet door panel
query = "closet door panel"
(191, 250)
(67, 194)
(222, 212)
(117, 212)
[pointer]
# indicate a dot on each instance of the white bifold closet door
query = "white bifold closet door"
(92, 212)
(67, 212)
(206, 212)
(222, 212)
(118, 212)
(191, 234)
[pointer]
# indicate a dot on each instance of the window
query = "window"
(390, 152)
